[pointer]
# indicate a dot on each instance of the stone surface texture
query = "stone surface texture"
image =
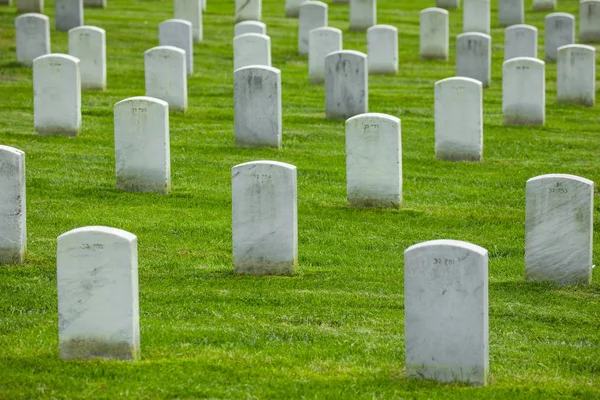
(434, 34)
(191, 11)
(13, 215)
(322, 41)
(363, 14)
(88, 44)
(68, 14)
(248, 10)
(511, 12)
(544, 5)
(251, 49)
(382, 49)
(576, 75)
(448, 4)
(292, 7)
(474, 57)
(346, 84)
(589, 21)
(166, 76)
(250, 27)
(476, 16)
(312, 15)
(32, 34)
(524, 91)
(178, 33)
(94, 3)
(30, 6)
(520, 41)
(559, 31)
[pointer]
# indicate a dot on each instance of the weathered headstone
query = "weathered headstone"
(322, 41)
(191, 11)
(346, 84)
(576, 75)
(446, 311)
(30, 6)
(312, 15)
(374, 161)
(476, 16)
(523, 91)
(251, 49)
(434, 34)
(265, 218)
(88, 44)
(589, 21)
(248, 10)
(56, 95)
(250, 27)
(448, 4)
(559, 229)
(382, 49)
(166, 76)
(13, 227)
(94, 3)
(363, 14)
(520, 41)
(257, 107)
(458, 120)
(142, 145)
(544, 5)
(292, 7)
(474, 56)
(98, 304)
(178, 33)
(32, 33)
(68, 14)
(511, 12)
(559, 31)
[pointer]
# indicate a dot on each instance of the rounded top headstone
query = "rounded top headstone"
(143, 98)
(46, 58)
(522, 26)
(435, 9)
(388, 117)
(448, 243)
(518, 60)
(87, 28)
(100, 231)
(560, 176)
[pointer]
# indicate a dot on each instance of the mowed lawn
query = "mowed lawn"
(336, 328)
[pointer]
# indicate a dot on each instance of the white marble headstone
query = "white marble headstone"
(32, 33)
(13, 226)
(312, 15)
(292, 7)
(321, 42)
(346, 84)
(363, 14)
(448, 4)
(520, 41)
(248, 10)
(88, 44)
(68, 14)
(589, 21)
(374, 161)
(56, 95)
(576, 75)
(251, 49)
(382, 49)
(523, 91)
(476, 16)
(94, 3)
(434, 34)
(559, 229)
(191, 11)
(166, 76)
(98, 304)
(446, 312)
(458, 119)
(250, 27)
(544, 5)
(178, 33)
(265, 218)
(559, 31)
(142, 145)
(30, 6)
(511, 12)
(257, 107)
(474, 57)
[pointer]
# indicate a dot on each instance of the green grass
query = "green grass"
(334, 329)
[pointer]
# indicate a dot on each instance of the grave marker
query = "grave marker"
(346, 84)
(191, 11)
(251, 49)
(178, 33)
(476, 16)
(30, 6)
(520, 41)
(312, 15)
(544, 5)
(88, 44)
(474, 57)
(523, 91)
(382, 53)
(250, 27)
(511, 12)
(166, 76)
(248, 10)
(68, 14)
(559, 31)
(589, 21)
(363, 14)
(13, 220)
(322, 41)
(292, 7)
(448, 4)
(576, 75)
(32, 34)
(434, 34)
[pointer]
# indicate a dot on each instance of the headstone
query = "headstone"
(248, 10)
(13, 227)
(178, 33)
(30, 6)
(576, 75)
(292, 7)
(265, 218)
(446, 311)
(363, 14)
(88, 44)
(251, 49)
(32, 33)
(476, 16)
(68, 14)
(166, 76)
(523, 91)
(57, 95)
(474, 57)
(458, 120)
(374, 161)
(322, 41)
(434, 34)
(559, 229)
(142, 145)
(98, 304)
(312, 15)
(559, 31)
(250, 27)
(511, 12)
(544, 5)
(520, 41)
(94, 3)
(382, 53)
(448, 4)
(346, 84)
(589, 21)
(203, 5)
(191, 11)
(257, 107)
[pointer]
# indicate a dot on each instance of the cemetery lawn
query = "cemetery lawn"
(336, 328)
